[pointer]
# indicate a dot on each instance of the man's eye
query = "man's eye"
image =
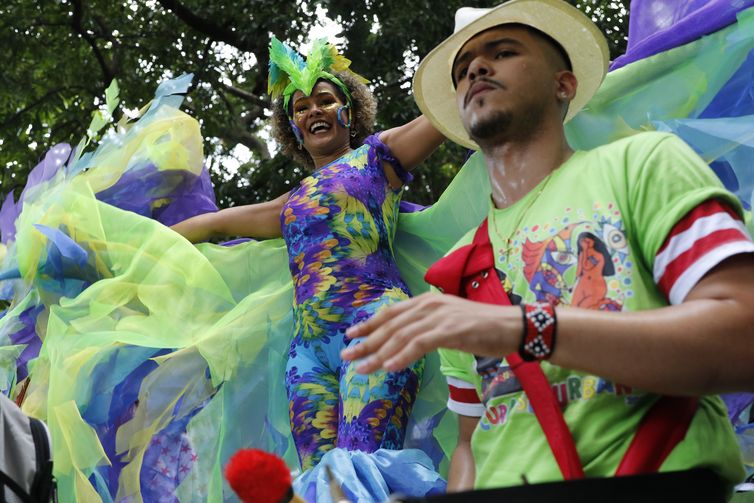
(461, 74)
(504, 54)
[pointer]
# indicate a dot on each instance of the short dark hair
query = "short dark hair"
(363, 112)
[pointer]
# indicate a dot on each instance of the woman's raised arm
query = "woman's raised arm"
(413, 142)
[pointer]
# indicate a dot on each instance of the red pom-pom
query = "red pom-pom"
(258, 476)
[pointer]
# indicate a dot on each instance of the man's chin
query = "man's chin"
(488, 128)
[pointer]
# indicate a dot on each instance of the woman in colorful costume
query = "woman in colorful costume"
(338, 225)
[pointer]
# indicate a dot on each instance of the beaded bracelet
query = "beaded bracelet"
(540, 329)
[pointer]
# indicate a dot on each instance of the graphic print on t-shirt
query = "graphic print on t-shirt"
(582, 264)
(577, 262)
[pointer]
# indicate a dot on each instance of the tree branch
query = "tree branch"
(107, 33)
(13, 118)
(248, 119)
(77, 24)
(239, 134)
(250, 141)
(246, 95)
(204, 25)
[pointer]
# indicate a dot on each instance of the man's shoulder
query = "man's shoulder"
(633, 155)
(643, 143)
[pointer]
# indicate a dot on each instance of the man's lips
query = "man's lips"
(479, 87)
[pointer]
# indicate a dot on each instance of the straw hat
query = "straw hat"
(582, 40)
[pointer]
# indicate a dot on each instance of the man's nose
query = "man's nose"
(478, 68)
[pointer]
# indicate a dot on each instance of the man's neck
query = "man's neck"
(516, 166)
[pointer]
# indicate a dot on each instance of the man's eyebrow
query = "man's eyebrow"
(463, 58)
(460, 60)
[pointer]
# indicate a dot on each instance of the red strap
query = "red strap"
(660, 430)
(550, 417)
(483, 285)
(470, 272)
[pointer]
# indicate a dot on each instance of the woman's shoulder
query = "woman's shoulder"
(370, 151)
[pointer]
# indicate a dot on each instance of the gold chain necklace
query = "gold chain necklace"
(507, 241)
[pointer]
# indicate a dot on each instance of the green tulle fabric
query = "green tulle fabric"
(220, 315)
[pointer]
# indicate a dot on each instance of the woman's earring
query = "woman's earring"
(339, 115)
(353, 133)
(297, 134)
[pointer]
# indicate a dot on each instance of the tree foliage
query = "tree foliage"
(62, 54)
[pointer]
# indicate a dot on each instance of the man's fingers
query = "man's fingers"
(387, 331)
(366, 327)
(379, 333)
(421, 344)
(405, 335)
(376, 334)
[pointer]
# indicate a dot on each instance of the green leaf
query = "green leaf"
(111, 96)
(79, 150)
(98, 122)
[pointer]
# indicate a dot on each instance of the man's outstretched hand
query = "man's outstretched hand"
(404, 332)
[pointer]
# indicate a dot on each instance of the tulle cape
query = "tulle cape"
(153, 360)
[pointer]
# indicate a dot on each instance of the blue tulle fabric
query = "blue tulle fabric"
(371, 477)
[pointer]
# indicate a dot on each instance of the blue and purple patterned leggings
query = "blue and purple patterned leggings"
(331, 405)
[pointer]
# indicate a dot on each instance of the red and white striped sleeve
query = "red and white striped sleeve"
(463, 398)
(703, 238)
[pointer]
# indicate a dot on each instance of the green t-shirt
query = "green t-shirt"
(588, 237)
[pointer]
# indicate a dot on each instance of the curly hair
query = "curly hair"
(363, 112)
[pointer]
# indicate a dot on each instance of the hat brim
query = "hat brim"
(585, 45)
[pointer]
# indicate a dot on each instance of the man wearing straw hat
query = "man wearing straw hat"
(608, 293)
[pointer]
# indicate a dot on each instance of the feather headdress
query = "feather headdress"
(290, 72)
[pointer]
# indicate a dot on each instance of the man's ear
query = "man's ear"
(565, 85)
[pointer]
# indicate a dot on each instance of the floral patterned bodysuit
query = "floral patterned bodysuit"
(339, 226)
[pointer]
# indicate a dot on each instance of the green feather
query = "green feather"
(317, 61)
(285, 63)
(289, 72)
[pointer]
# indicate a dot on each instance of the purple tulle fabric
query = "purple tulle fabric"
(55, 158)
(737, 403)
(27, 335)
(659, 25)
(138, 190)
